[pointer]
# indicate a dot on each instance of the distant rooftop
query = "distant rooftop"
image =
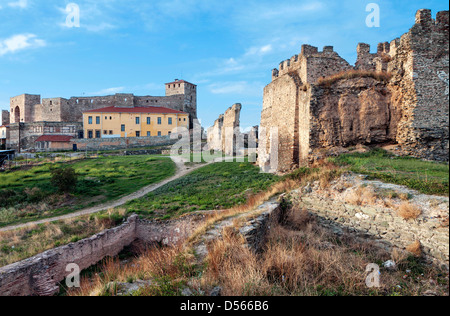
(54, 138)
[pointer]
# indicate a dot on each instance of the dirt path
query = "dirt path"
(182, 170)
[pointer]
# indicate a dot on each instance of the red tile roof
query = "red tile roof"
(136, 109)
(54, 138)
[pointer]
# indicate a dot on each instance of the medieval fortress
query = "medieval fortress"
(318, 102)
(31, 118)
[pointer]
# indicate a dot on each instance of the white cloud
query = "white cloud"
(21, 4)
(20, 42)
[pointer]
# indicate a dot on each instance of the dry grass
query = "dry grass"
(363, 195)
(252, 202)
(408, 211)
(26, 242)
(152, 264)
(351, 74)
(415, 248)
(299, 259)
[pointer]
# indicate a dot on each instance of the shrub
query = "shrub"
(65, 179)
(351, 74)
(407, 211)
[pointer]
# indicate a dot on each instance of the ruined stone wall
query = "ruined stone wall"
(29, 132)
(170, 232)
(40, 275)
(225, 135)
(122, 142)
(351, 112)
(404, 101)
(5, 118)
(381, 225)
(280, 110)
(231, 130)
(424, 52)
(215, 135)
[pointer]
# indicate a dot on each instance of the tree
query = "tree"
(65, 179)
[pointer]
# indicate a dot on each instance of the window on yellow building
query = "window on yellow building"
(97, 119)
(170, 121)
(159, 120)
(90, 120)
(138, 120)
(149, 120)
(122, 128)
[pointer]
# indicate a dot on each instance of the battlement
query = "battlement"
(312, 64)
(425, 19)
(302, 64)
(396, 94)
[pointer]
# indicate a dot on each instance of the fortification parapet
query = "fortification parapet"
(424, 17)
(407, 105)
(312, 64)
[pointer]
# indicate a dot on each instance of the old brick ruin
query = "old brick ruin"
(41, 274)
(225, 134)
(399, 95)
(5, 118)
(32, 118)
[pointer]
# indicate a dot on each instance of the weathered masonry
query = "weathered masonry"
(32, 118)
(399, 95)
(225, 135)
(41, 274)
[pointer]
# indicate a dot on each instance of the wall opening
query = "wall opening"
(17, 115)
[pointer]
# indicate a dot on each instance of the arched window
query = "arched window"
(17, 115)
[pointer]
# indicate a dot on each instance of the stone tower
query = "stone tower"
(189, 90)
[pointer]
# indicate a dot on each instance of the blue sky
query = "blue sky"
(226, 47)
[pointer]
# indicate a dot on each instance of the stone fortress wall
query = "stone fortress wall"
(5, 118)
(398, 95)
(28, 112)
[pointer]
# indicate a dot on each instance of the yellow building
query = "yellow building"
(132, 122)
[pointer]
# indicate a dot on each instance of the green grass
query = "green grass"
(424, 176)
(27, 195)
(216, 186)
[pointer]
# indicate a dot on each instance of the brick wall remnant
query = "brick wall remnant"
(225, 135)
(5, 120)
(41, 274)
